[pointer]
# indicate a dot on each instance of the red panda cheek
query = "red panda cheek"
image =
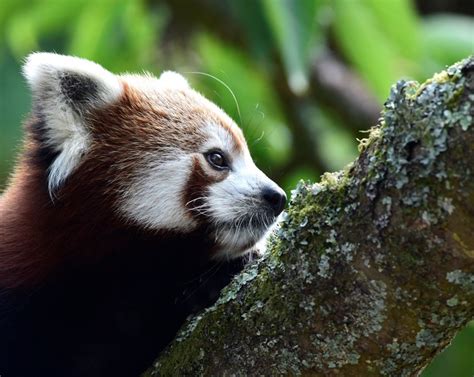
(196, 189)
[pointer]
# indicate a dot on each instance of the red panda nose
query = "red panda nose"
(276, 198)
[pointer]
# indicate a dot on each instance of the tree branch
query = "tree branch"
(372, 271)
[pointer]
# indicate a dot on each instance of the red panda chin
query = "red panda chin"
(235, 239)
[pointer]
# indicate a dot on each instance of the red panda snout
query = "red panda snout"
(243, 207)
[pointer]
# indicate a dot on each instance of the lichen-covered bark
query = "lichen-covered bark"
(372, 270)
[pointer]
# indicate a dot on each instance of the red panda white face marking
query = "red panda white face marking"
(169, 159)
(237, 206)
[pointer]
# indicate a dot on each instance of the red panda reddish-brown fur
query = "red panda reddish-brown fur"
(24, 259)
(41, 236)
(92, 280)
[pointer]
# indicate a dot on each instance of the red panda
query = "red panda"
(129, 189)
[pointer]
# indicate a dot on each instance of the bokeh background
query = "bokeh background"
(303, 78)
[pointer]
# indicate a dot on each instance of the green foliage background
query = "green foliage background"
(267, 52)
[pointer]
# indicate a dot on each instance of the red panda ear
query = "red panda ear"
(58, 80)
(64, 90)
(173, 80)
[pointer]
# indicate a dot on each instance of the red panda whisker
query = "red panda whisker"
(225, 85)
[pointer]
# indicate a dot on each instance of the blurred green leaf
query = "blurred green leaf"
(143, 29)
(113, 31)
(7, 8)
(14, 102)
(370, 45)
(399, 22)
(336, 145)
(21, 34)
(446, 39)
(26, 25)
(90, 27)
(295, 30)
(251, 15)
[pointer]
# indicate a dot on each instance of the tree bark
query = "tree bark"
(372, 270)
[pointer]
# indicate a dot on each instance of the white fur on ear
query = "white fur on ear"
(70, 77)
(174, 80)
(64, 89)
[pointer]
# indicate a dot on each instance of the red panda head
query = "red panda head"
(158, 154)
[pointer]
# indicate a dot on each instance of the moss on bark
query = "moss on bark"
(372, 269)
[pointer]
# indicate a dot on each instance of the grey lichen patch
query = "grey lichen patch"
(407, 357)
(383, 219)
(453, 301)
(315, 210)
(347, 249)
(461, 278)
(425, 125)
(428, 218)
(375, 314)
(426, 338)
(335, 351)
(403, 361)
(323, 266)
(446, 204)
(230, 292)
(336, 347)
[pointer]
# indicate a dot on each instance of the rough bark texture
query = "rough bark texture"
(372, 270)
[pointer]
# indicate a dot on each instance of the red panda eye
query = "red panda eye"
(217, 160)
